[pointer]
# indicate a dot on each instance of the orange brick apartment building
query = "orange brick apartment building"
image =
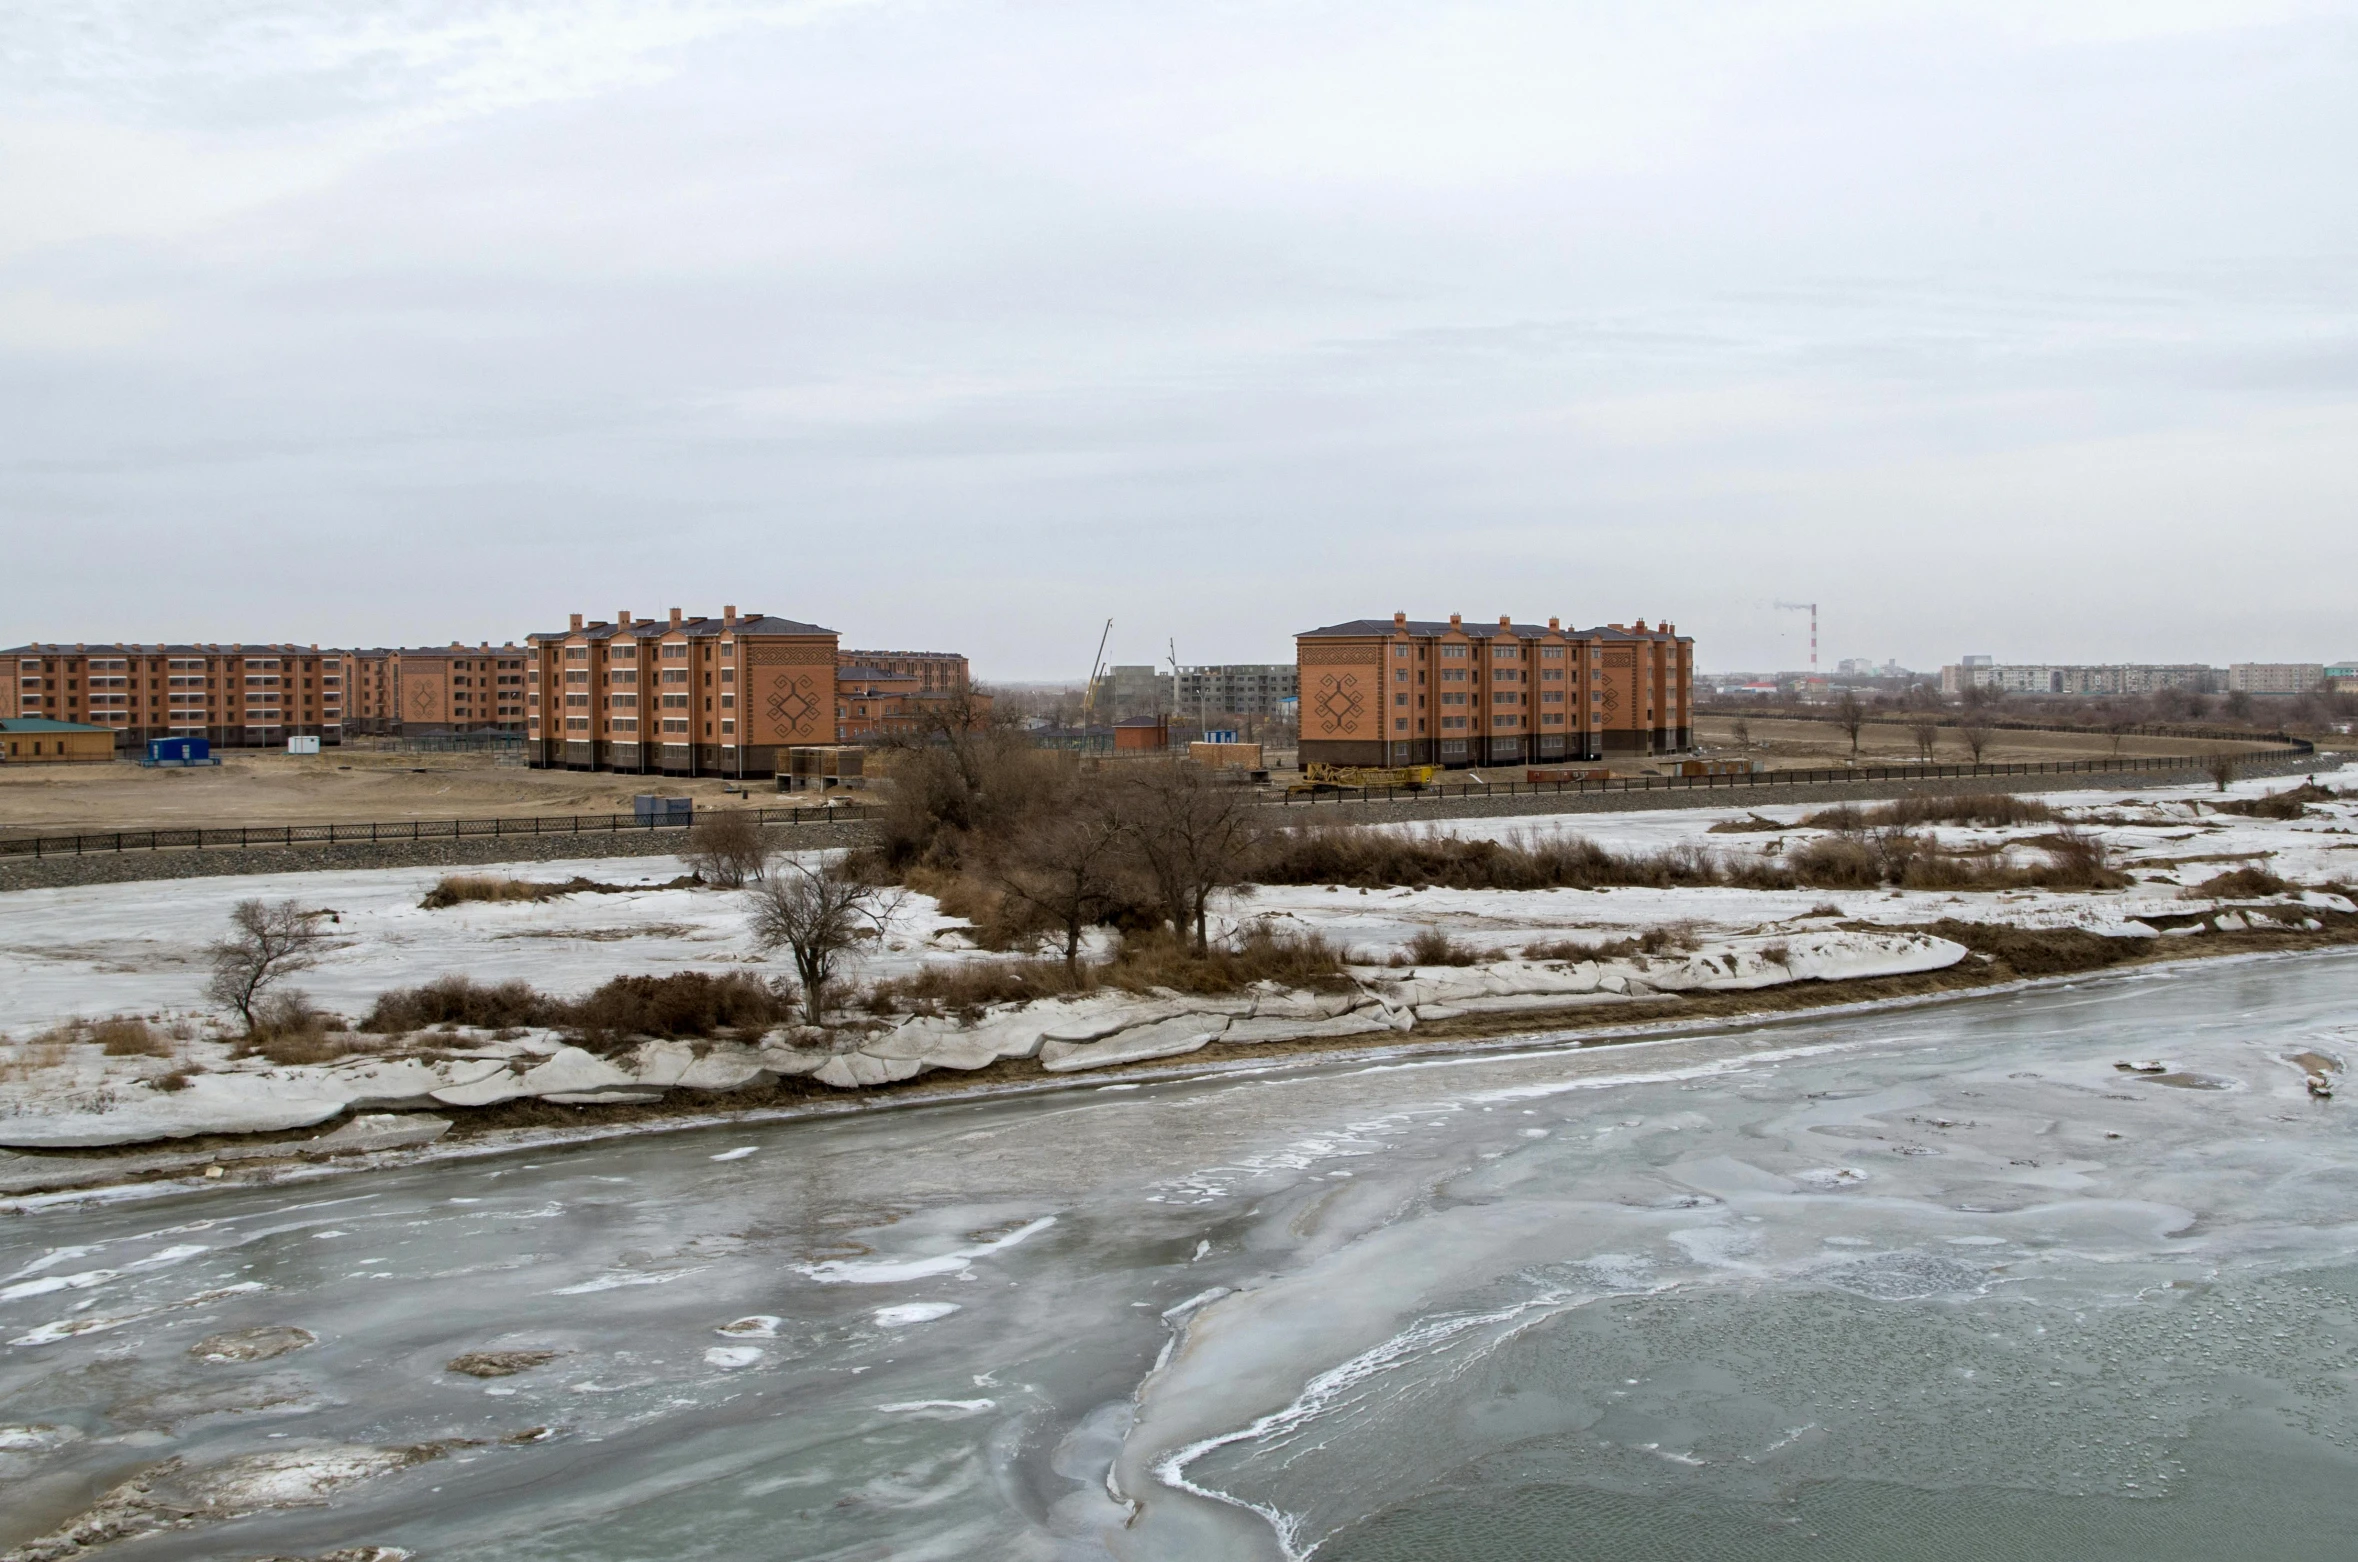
(684, 696)
(435, 689)
(235, 696)
(1397, 692)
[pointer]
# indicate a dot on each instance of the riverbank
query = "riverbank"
(2004, 960)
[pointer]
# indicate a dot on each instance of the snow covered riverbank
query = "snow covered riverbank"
(138, 949)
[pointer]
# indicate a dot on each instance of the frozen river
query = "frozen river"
(1937, 1283)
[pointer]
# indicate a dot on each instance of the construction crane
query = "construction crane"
(1096, 669)
(1811, 608)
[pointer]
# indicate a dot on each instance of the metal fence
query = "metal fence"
(1771, 779)
(235, 836)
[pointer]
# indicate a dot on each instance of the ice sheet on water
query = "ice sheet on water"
(1905, 1276)
(913, 1312)
(893, 1271)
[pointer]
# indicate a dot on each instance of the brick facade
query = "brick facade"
(235, 696)
(1458, 694)
(687, 696)
(438, 689)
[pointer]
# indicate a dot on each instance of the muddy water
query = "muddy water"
(1930, 1284)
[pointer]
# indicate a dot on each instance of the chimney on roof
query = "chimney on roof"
(1399, 620)
(729, 614)
(1457, 621)
(1555, 623)
(1505, 621)
(577, 620)
(675, 618)
(622, 616)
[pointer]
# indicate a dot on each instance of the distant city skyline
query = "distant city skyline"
(2029, 330)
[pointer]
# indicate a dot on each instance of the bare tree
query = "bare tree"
(1192, 836)
(1926, 732)
(1977, 734)
(2222, 768)
(1850, 716)
(1740, 731)
(819, 915)
(726, 848)
(267, 943)
(1068, 864)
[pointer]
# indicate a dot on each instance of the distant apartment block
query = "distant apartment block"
(2274, 677)
(438, 689)
(679, 696)
(1123, 692)
(875, 703)
(1403, 692)
(1980, 672)
(1236, 688)
(235, 696)
(931, 672)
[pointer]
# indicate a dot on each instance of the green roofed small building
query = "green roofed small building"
(38, 740)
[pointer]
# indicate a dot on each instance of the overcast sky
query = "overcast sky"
(2008, 326)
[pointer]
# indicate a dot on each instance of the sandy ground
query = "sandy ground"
(264, 788)
(359, 787)
(1790, 745)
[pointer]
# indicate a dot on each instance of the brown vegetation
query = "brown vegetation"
(1983, 808)
(128, 1037)
(1142, 963)
(726, 848)
(683, 1004)
(2252, 883)
(267, 943)
(458, 888)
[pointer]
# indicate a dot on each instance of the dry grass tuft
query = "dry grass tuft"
(458, 1000)
(2253, 883)
(966, 988)
(683, 1004)
(1982, 808)
(1434, 947)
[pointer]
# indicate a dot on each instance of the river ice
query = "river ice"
(1923, 1283)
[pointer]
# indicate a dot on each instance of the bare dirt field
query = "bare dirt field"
(338, 786)
(1788, 745)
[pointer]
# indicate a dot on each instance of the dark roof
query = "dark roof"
(441, 650)
(44, 724)
(161, 649)
(877, 673)
(694, 628)
(1361, 628)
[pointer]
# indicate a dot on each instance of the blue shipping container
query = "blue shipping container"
(663, 810)
(179, 751)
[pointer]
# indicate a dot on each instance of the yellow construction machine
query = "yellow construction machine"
(1334, 778)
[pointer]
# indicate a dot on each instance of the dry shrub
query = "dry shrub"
(2250, 883)
(1835, 862)
(965, 988)
(459, 1000)
(1358, 855)
(1575, 950)
(1260, 954)
(685, 1003)
(129, 1037)
(1751, 824)
(1986, 808)
(175, 1081)
(2292, 804)
(456, 888)
(727, 848)
(1431, 946)
(288, 1030)
(2076, 860)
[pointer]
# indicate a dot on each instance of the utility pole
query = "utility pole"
(1811, 608)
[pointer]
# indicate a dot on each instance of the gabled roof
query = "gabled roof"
(694, 628)
(31, 724)
(1427, 628)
